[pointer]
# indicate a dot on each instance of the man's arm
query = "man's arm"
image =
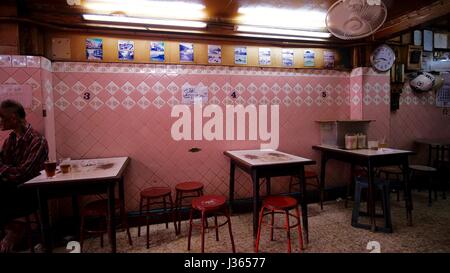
(30, 165)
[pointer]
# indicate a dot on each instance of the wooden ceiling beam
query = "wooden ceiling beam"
(413, 19)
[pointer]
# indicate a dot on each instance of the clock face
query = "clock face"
(383, 57)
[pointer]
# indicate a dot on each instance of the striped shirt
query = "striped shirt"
(22, 158)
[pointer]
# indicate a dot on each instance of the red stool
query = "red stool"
(99, 208)
(210, 205)
(280, 204)
(155, 193)
(309, 175)
(185, 190)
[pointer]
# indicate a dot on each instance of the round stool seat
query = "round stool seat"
(391, 169)
(422, 168)
(189, 186)
(280, 202)
(99, 207)
(310, 174)
(208, 202)
(155, 192)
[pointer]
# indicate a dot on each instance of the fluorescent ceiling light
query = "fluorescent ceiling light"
(279, 31)
(282, 18)
(280, 37)
(116, 26)
(153, 9)
(143, 21)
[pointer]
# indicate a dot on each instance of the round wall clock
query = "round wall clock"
(382, 58)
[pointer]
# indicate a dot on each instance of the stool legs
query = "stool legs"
(287, 226)
(203, 221)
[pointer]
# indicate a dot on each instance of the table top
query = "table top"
(265, 157)
(83, 170)
(364, 152)
(434, 141)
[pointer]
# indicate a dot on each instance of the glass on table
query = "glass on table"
(64, 165)
(50, 168)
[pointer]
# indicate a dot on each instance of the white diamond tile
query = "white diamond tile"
(298, 101)
(227, 101)
(339, 101)
(144, 103)
(143, 88)
(62, 104)
(287, 88)
(309, 101)
(387, 99)
(319, 89)
(79, 103)
(276, 88)
(158, 88)
(61, 88)
(214, 88)
(128, 88)
(377, 88)
(367, 100)
(48, 86)
(174, 101)
(377, 99)
(240, 101)
(78, 88)
(34, 84)
(96, 103)
(356, 100)
(227, 88)
(252, 88)
(309, 89)
(128, 103)
(264, 88)
(95, 88)
(252, 101)
(112, 103)
(264, 101)
(240, 88)
(287, 101)
(158, 102)
(356, 88)
(275, 101)
(214, 100)
(48, 104)
(112, 88)
(173, 88)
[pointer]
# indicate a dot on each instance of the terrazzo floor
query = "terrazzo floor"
(329, 231)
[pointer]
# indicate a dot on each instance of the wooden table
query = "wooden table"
(370, 159)
(266, 164)
(435, 143)
(88, 176)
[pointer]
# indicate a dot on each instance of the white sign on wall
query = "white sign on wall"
(19, 92)
(194, 94)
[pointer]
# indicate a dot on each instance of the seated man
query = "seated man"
(22, 158)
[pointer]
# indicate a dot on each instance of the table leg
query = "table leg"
(430, 149)
(268, 186)
(371, 196)
(231, 193)
(304, 203)
(76, 215)
(255, 180)
(408, 196)
(111, 213)
(45, 221)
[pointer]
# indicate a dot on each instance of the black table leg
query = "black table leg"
(231, 193)
(371, 196)
(255, 180)
(268, 186)
(303, 202)
(45, 221)
(408, 196)
(111, 212)
(76, 215)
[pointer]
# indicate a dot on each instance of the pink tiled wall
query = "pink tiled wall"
(26, 70)
(128, 113)
(129, 105)
(418, 117)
